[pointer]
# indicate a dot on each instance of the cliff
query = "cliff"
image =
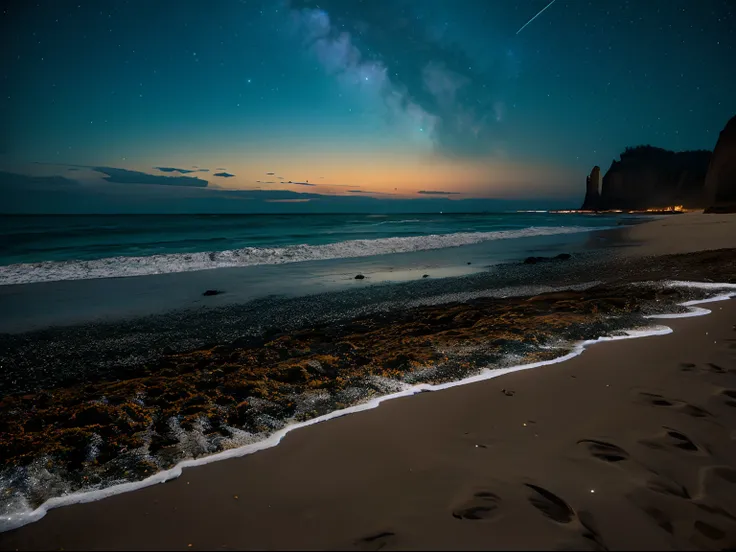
(592, 189)
(720, 182)
(649, 177)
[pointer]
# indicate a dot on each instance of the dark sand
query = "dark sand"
(649, 425)
(453, 469)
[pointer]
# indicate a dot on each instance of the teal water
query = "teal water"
(31, 239)
(56, 248)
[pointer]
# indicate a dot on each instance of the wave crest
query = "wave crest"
(51, 271)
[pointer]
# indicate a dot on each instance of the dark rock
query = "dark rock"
(359, 277)
(720, 182)
(211, 292)
(535, 260)
(425, 276)
(592, 189)
(649, 177)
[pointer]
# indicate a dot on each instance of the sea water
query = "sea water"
(55, 248)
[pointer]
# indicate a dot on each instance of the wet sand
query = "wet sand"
(631, 445)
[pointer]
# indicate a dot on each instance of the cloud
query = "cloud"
(117, 175)
(301, 183)
(173, 169)
(224, 174)
(433, 192)
(204, 170)
(280, 177)
(270, 174)
(369, 192)
(124, 176)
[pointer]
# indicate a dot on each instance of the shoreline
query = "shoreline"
(14, 539)
(578, 348)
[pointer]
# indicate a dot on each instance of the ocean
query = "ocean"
(53, 248)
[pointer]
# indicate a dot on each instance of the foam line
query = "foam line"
(19, 519)
(114, 267)
(693, 310)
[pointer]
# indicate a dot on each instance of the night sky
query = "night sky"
(373, 98)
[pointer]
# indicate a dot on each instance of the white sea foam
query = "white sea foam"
(25, 515)
(692, 309)
(51, 271)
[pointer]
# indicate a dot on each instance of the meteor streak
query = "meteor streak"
(533, 18)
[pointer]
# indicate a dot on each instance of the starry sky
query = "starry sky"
(130, 101)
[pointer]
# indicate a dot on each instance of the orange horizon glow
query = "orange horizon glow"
(396, 174)
(385, 174)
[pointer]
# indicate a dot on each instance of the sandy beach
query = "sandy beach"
(686, 233)
(631, 445)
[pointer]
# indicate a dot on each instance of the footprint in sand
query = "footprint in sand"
(604, 451)
(730, 397)
(672, 438)
(550, 504)
(709, 531)
(680, 440)
(662, 519)
(376, 541)
(708, 368)
(483, 506)
(654, 399)
(714, 368)
(663, 485)
(556, 509)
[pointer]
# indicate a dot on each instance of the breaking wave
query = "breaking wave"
(111, 267)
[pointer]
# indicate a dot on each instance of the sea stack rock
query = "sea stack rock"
(720, 181)
(592, 189)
